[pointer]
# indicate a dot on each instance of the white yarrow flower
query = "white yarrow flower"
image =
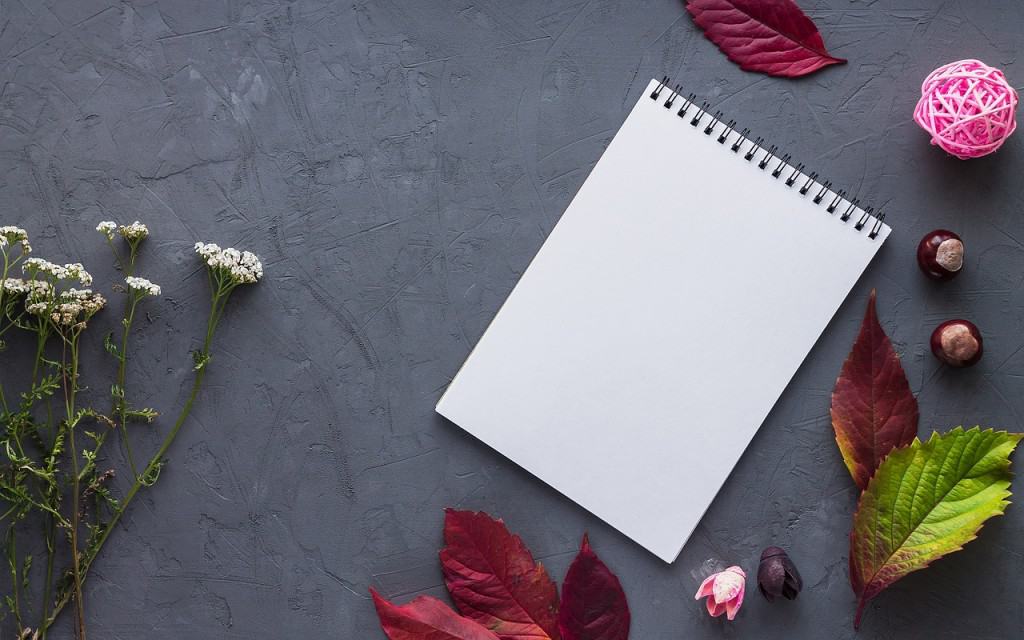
(74, 271)
(74, 307)
(18, 286)
(241, 267)
(16, 232)
(14, 285)
(10, 235)
(107, 228)
(134, 231)
(39, 265)
(142, 286)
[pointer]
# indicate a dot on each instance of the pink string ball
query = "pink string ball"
(968, 108)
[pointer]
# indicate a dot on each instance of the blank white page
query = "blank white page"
(660, 321)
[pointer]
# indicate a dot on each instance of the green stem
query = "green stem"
(154, 462)
(126, 266)
(69, 404)
(51, 531)
(117, 254)
(121, 406)
(40, 346)
(42, 336)
(26, 405)
(3, 313)
(12, 561)
(42, 332)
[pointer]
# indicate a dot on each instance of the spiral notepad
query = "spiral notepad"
(663, 317)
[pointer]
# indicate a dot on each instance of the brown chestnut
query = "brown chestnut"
(957, 343)
(941, 254)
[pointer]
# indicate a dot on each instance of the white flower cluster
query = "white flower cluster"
(74, 271)
(134, 231)
(70, 308)
(243, 267)
(130, 232)
(15, 235)
(19, 286)
(107, 228)
(142, 286)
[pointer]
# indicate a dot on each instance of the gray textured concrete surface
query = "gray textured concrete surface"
(397, 163)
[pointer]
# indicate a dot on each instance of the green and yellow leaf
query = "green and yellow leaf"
(926, 500)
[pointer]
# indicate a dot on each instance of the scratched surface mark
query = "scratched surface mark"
(397, 163)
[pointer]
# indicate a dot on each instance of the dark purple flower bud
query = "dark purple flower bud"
(777, 575)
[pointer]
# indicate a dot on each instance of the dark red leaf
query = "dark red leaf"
(594, 606)
(873, 410)
(494, 580)
(426, 618)
(771, 36)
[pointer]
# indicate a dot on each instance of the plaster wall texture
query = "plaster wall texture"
(397, 163)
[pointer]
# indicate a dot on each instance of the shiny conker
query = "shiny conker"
(941, 254)
(957, 343)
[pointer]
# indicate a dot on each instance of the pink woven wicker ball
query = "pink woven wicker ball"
(968, 108)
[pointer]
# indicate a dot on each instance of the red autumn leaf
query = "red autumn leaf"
(873, 410)
(494, 580)
(594, 606)
(771, 36)
(426, 618)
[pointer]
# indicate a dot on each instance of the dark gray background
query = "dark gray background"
(396, 164)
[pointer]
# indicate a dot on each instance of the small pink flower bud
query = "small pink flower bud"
(724, 592)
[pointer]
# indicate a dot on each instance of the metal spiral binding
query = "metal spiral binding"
(825, 186)
(836, 200)
(729, 128)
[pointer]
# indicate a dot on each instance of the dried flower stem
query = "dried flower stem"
(120, 394)
(9, 263)
(11, 533)
(221, 291)
(34, 448)
(70, 392)
(121, 403)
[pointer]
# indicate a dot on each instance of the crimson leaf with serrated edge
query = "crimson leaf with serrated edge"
(873, 410)
(770, 36)
(426, 618)
(493, 579)
(594, 606)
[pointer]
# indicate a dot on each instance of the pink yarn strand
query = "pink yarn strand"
(968, 108)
